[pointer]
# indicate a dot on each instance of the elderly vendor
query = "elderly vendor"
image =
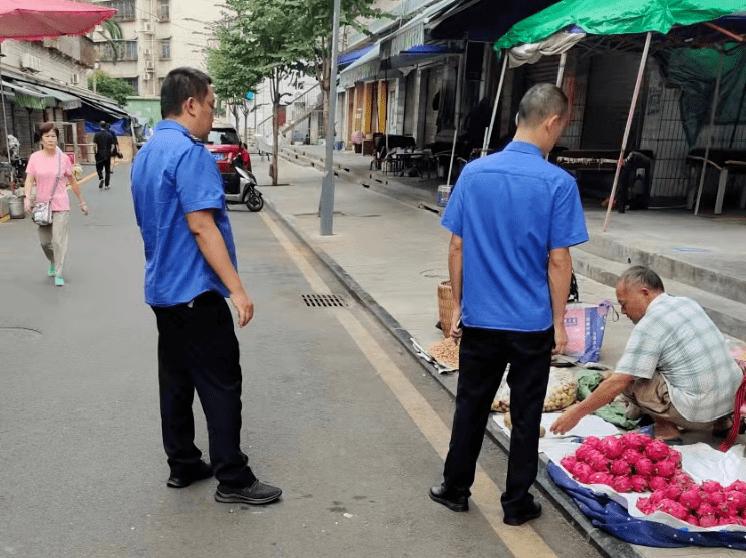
(676, 366)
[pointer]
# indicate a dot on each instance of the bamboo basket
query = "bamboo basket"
(445, 306)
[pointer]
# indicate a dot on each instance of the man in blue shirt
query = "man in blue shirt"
(190, 268)
(513, 217)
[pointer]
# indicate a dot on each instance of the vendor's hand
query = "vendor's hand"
(566, 421)
(455, 330)
(244, 306)
(560, 339)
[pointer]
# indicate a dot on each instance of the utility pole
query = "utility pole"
(327, 185)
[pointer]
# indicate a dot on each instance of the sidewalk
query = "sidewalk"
(391, 253)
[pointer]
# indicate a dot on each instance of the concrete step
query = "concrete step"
(709, 275)
(728, 314)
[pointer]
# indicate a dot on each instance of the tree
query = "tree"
(116, 89)
(260, 39)
(112, 33)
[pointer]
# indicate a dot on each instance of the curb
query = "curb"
(607, 544)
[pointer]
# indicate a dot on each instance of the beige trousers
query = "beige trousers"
(651, 397)
(53, 240)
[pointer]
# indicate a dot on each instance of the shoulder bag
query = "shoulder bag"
(42, 211)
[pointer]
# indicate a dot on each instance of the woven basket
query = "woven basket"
(445, 306)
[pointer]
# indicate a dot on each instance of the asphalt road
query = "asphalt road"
(334, 412)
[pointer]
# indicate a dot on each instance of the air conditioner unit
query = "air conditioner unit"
(148, 65)
(76, 79)
(146, 77)
(148, 27)
(30, 62)
(148, 52)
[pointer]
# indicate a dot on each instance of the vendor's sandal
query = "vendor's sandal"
(721, 431)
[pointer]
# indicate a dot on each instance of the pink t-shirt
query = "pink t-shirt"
(44, 170)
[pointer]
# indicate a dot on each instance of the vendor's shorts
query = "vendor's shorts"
(650, 397)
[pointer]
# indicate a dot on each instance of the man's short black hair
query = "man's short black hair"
(179, 85)
(102, 124)
(540, 102)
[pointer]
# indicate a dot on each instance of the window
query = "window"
(125, 9)
(126, 50)
(165, 49)
(163, 10)
(134, 82)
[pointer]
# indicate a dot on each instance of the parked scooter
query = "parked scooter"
(247, 191)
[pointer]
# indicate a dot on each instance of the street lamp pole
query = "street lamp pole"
(327, 185)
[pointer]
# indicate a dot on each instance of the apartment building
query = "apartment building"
(157, 36)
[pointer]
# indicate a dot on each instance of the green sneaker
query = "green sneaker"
(50, 273)
(59, 282)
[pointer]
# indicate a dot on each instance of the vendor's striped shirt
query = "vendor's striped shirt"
(678, 339)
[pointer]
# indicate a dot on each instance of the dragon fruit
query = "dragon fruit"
(705, 510)
(658, 483)
(715, 498)
(674, 455)
(644, 467)
(738, 485)
(569, 463)
(711, 486)
(675, 509)
(708, 521)
(656, 450)
(665, 468)
(611, 447)
(645, 506)
(737, 498)
(582, 452)
(639, 483)
(683, 480)
(620, 467)
(600, 478)
(634, 440)
(593, 442)
(657, 497)
(692, 520)
(600, 463)
(631, 456)
(691, 498)
(621, 484)
(582, 472)
(674, 492)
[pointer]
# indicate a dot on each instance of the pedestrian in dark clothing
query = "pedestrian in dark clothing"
(105, 146)
(189, 271)
(513, 217)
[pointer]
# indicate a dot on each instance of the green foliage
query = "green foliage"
(112, 32)
(114, 88)
(260, 39)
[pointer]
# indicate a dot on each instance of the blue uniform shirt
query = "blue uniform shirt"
(511, 209)
(172, 175)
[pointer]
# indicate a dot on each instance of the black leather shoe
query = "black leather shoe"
(256, 494)
(532, 512)
(452, 501)
(200, 472)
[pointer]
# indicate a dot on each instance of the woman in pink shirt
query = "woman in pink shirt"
(50, 171)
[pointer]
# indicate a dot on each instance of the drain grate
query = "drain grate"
(323, 300)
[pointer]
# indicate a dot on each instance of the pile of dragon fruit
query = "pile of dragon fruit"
(633, 462)
(636, 462)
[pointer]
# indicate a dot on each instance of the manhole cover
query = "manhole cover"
(323, 300)
(18, 334)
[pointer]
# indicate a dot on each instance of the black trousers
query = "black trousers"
(198, 349)
(104, 165)
(484, 355)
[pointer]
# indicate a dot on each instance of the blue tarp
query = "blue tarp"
(613, 518)
(350, 57)
(118, 128)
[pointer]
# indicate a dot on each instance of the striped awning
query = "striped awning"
(29, 97)
(66, 100)
(413, 33)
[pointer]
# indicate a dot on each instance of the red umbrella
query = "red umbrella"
(34, 20)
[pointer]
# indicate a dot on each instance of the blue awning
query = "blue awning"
(350, 57)
(419, 54)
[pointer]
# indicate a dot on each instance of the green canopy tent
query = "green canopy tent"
(599, 17)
